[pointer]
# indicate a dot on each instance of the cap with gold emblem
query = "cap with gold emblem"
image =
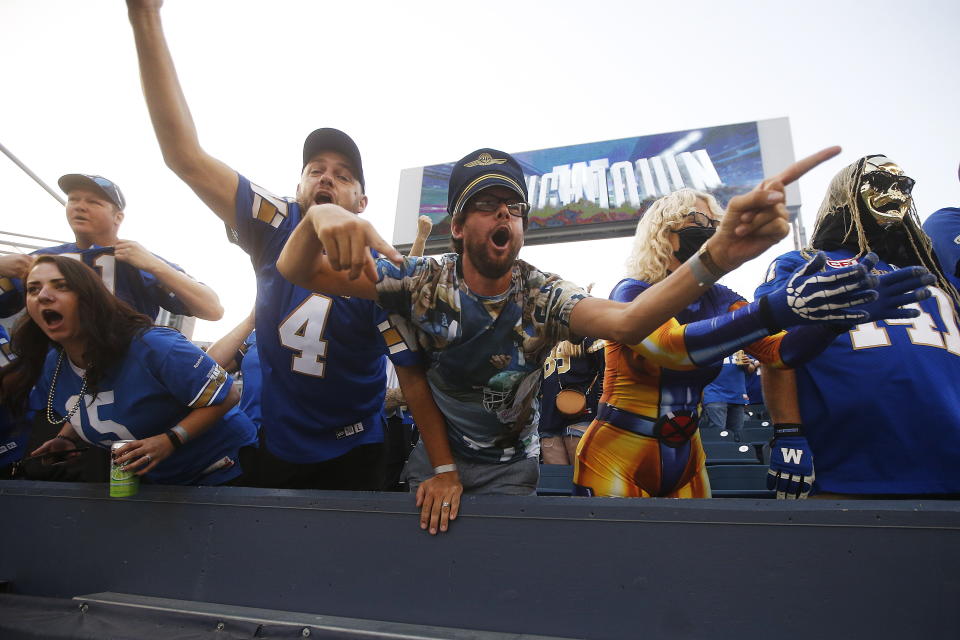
(481, 169)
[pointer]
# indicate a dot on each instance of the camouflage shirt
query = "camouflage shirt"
(484, 353)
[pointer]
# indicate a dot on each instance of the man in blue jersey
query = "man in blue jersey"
(95, 210)
(876, 414)
(322, 356)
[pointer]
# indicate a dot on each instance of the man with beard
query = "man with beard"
(322, 356)
(876, 412)
(487, 320)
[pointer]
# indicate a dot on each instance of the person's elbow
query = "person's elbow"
(286, 265)
(233, 397)
(186, 159)
(625, 333)
(210, 308)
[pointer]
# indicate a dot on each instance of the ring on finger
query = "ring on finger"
(444, 505)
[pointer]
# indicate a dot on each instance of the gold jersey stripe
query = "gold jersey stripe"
(215, 381)
(391, 336)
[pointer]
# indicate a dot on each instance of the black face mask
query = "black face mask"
(691, 239)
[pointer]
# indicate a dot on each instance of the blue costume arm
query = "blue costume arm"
(707, 342)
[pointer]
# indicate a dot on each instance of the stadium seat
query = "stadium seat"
(555, 480)
(739, 481)
(716, 435)
(757, 411)
(757, 423)
(730, 453)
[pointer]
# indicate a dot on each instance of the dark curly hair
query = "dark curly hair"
(107, 326)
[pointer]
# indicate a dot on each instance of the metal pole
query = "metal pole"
(801, 233)
(35, 177)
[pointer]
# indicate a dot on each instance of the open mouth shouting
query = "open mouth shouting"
(52, 320)
(323, 197)
(501, 237)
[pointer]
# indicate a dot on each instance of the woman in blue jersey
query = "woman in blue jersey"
(112, 376)
(644, 441)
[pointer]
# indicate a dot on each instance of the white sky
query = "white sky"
(418, 83)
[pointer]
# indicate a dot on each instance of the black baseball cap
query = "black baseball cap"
(329, 139)
(481, 169)
(73, 181)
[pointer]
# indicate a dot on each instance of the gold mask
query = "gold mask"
(885, 190)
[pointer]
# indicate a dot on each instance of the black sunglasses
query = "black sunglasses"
(699, 219)
(883, 180)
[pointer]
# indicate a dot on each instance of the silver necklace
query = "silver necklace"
(53, 389)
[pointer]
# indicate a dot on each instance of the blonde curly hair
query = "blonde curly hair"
(650, 255)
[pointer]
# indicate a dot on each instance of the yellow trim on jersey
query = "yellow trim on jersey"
(215, 381)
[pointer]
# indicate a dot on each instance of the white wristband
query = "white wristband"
(444, 468)
(705, 271)
(181, 433)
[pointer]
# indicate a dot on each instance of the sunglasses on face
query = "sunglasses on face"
(490, 204)
(698, 219)
(883, 180)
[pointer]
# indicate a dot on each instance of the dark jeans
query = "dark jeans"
(360, 469)
(722, 415)
(398, 441)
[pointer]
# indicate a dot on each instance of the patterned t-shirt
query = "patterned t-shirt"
(484, 353)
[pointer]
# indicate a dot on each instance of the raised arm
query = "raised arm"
(201, 300)
(424, 227)
(213, 181)
(753, 223)
(329, 251)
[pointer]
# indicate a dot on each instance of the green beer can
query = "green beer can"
(123, 482)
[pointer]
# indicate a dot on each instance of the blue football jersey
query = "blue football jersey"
(139, 289)
(162, 378)
(13, 433)
(322, 356)
(582, 373)
(248, 357)
(943, 227)
(729, 386)
(881, 406)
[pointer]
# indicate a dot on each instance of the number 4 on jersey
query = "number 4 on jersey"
(302, 332)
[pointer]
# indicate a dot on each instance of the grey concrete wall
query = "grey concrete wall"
(579, 567)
